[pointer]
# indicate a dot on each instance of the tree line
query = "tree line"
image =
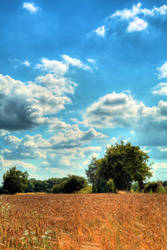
(123, 167)
(16, 181)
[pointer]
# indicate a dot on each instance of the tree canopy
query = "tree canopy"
(15, 181)
(72, 184)
(123, 163)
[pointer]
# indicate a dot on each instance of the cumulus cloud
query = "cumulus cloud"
(160, 89)
(159, 169)
(52, 66)
(135, 19)
(101, 31)
(60, 68)
(28, 147)
(5, 164)
(137, 10)
(30, 7)
(137, 25)
(163, 71)
(58, 86)
(70, 158)
(75, 62)
(72, 137)
(115, 109)
(23, 106)
(122, 110)
(128, 13)
(64, 147)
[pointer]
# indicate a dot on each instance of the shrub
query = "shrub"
(154, 187)
(85, 190)
(161, 189)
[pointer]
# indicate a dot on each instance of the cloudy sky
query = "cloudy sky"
(76, 76)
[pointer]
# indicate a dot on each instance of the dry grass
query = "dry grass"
(84, 221)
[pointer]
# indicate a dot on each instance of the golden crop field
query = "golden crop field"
(83, 221)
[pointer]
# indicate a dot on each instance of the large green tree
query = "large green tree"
(15, 181)
(123, 163)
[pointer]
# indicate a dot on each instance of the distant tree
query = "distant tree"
(124, 164)
(30, 186)
(15, 181)
(154, 187)
(54, 181)
(72, 184)
(91, 173)
(165, 183)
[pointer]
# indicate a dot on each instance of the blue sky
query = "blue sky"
(77, 76)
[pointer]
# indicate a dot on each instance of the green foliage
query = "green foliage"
(15, 181)
(92, 174)
(151, 186)
(42, 186)
(154, 187)
(85, 190)
(72, 184)
(165, 183)
(123, 163)
(161, 189)
(111, 186)
(135, 187)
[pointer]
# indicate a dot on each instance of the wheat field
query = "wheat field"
(83, 221)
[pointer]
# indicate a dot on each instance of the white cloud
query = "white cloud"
(27, 105)
(30, 7)
(90, 60)
(136, 18)
(128, 13)
(53, 66)
(161, 10)
(101, 31)
(160, 89)
(121, 110)
(28, 147)
(137, 11)
(75, 62)
(113, 141)
(58, 86)
(137, 25)
(112, 110)
(26, 63)
(161, 165)
(3, 132)
(163, 71)
(72, 136)
(5, 164)
(60, 68)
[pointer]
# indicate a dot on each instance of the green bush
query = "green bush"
(85, 190)
(161, 189)
(154, 187)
